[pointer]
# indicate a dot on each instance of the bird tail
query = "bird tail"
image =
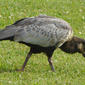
(7, 33)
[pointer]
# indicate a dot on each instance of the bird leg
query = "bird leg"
(50, 63)
(27, 58)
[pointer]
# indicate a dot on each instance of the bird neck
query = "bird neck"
(72, 46)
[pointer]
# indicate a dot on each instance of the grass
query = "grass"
(70, 69)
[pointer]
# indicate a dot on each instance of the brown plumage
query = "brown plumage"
(43, 34)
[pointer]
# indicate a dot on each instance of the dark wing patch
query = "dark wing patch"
(18, 21)
(25, 21)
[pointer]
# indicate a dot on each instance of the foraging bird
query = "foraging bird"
(43, 34)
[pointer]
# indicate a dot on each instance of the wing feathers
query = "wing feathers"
(42, 30)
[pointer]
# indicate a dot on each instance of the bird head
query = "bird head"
(81, 47)
(74, 45)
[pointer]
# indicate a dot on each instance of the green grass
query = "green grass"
(70, 69)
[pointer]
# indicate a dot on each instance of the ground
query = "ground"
(69, 69)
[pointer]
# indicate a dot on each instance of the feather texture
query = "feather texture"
(43, 31)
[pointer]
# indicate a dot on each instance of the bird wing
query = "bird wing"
(42, 31)
(36, 35)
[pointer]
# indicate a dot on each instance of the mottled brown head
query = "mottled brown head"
(81, 47)
(74, 45)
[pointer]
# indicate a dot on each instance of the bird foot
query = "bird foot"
(53, 70)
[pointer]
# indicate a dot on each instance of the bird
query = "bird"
(45, 34)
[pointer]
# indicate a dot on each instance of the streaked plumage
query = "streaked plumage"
(42, 33)
(42, 30)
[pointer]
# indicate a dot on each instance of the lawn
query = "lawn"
(69, 69)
